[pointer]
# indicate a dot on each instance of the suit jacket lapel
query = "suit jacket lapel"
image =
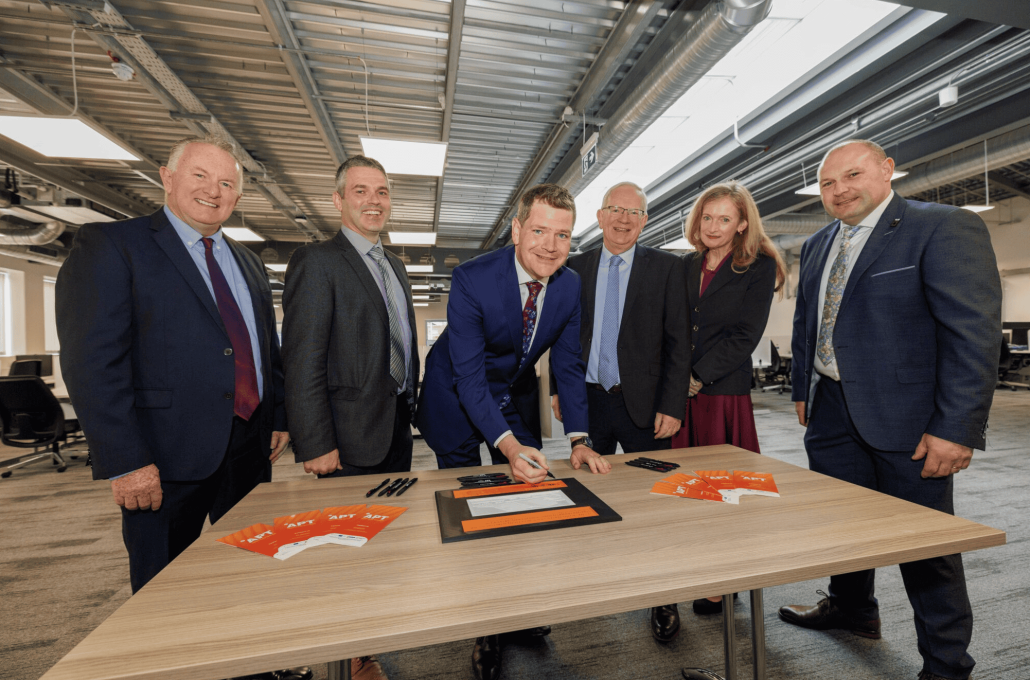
(168, 239)
(814, 275)
(635, 285)
(875, 245)
(511, 298)
(722, 277)
(694, 278)
(352, 257)
(588, 281)
(253, 279)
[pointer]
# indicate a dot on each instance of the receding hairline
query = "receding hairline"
(636, 189)
(878, 153)
(178, 150)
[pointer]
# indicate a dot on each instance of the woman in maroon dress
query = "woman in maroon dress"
(731, 278)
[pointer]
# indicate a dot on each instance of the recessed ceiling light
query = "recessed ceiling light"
(977, 208)
(420, 286)
(276, 267)
(62, 138)
(242, 234)
(419, 304)
(421, 297)
(419, 268)
(412, 238)
(402, 157)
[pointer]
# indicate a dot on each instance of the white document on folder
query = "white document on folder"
(518, 502)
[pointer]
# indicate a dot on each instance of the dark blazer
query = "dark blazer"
(143, 350)
(475, 362)
(336, 349)
(916, 334)
(654, 338)
(727, 322)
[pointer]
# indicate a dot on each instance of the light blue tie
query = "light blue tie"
(608, 363)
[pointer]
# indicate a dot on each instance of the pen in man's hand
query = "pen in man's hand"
(407, 486)
(385, 482)
(396, 485)
(535, 464)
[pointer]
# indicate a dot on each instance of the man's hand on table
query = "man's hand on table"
(138, 490)
(324, 465)
(583, 454)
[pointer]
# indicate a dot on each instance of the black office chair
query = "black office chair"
(775, 376)
(26, 367)
(1013, 369)
(32, 418)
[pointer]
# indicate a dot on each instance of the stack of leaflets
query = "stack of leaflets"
(352, 525)
(721, 486)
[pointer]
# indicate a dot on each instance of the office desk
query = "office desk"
(219, 611)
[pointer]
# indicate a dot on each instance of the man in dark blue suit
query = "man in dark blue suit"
(505, 309)
(171, 357)
(895, 363)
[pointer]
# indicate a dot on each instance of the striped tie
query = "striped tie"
(834, 292)
(396, 338)
(608, 362)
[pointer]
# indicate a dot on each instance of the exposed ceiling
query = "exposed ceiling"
(287, 80)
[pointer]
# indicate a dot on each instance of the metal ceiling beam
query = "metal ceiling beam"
(162, 82)
(453, 52)
(279, 27)
(1007, 184)
(630, 28)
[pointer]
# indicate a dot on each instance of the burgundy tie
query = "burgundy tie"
(246, 376)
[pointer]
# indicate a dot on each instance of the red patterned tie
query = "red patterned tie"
(246, 391)
(529, 316)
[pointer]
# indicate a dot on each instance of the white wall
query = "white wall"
(28, 332)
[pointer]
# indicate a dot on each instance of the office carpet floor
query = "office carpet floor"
(63, 570)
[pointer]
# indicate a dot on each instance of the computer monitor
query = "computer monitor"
(46, 362)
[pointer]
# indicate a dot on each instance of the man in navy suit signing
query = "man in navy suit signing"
(170, 354)
(506, 308)
(895, 363)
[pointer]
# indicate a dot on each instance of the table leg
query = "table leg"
(758, 633)
(339, 670)
(728, 638)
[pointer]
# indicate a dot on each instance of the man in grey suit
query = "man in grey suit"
(349, 345)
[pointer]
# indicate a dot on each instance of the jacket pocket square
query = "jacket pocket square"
(893, 271)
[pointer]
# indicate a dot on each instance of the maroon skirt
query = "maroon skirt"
(718, 419)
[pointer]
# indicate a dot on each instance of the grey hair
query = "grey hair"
(636, 188)
(216, 141)
(357, 162)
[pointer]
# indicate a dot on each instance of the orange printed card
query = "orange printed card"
(298, 531)
(722, 481)
(365, 525)
(510, 488)
(259, 538)
(333, 519)
(686, 486)
(755, 483)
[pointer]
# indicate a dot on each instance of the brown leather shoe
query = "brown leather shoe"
(826, 616)
(665, 622)
(366, 668)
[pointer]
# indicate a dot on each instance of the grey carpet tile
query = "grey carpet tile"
(63, 570)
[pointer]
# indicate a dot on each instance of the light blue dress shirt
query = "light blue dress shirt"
(233, 276)
(600, 294)
(400, 299)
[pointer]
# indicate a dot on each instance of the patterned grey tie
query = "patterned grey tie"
(396, 338)
(834, 292)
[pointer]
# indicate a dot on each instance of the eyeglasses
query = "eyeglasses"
(632, 212)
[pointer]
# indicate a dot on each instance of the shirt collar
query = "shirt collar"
(627, 256)
(872, 218)
(522, 274)
(360, 243)
(190, 236)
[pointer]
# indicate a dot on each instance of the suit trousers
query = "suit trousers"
(467, 454)
(398, 456)
(156, 537)
(936, 587)
(610, 424)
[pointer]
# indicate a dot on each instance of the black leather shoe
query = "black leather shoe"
(826, 616)
(665, 622)
(927, 675)
(299, 673)
(486, 658)
(539, 631)
(705, 607)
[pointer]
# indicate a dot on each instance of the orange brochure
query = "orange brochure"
(510, 488)
(686, 486)
(366, 525)
(298, 531)
(755, 483)
(723, 482)
(259, 538)
(333, 520)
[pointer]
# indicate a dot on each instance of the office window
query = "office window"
(5, 312)
(51, 343)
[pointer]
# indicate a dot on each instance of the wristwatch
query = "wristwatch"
(585, 441)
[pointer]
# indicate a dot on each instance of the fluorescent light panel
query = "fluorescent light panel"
(420, 286)
(242, 234)
(679, 244)
(813, 189)
(419, 268)
(421, 297)
(977, 208)
(62, 138)
(419, 304)
(402, 157)
(276, 267)
(412, 238)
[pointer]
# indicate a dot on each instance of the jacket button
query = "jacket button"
(695, 327)
(228, 351)
(691, 347)
(228, 395)
(697, 309)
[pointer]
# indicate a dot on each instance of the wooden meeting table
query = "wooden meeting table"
(219, 611)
